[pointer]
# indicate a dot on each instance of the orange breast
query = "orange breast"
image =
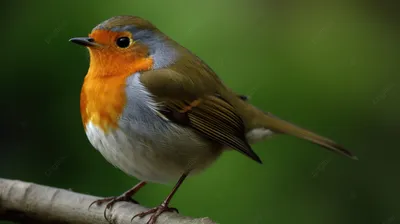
(103, 96)
(103, 100)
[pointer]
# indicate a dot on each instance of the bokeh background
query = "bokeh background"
(332, 67)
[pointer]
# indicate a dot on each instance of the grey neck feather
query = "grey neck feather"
(160, 48)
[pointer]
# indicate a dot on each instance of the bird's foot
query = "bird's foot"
(156, 212)
(112, 200)
(127, 196)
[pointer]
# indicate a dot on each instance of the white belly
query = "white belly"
(161, 158)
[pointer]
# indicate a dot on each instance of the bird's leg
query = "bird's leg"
(127, 196)
(157, 211)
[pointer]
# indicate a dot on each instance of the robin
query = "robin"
(159, 113)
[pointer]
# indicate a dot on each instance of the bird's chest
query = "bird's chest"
(124, 104)
(102, 101)
(117, 114)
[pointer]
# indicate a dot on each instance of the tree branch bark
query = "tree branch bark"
(32, 203)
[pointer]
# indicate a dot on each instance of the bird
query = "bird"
(159, 113)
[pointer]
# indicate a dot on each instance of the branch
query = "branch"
(32, 203)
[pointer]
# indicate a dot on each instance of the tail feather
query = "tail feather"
(254, 118)
(278, 125)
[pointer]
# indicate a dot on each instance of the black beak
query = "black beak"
(84, 41)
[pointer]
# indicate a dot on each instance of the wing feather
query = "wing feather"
(215, 119)
(194, 101)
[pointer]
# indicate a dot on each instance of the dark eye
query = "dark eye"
(123, 42)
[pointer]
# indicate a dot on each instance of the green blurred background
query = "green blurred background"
(332, 67)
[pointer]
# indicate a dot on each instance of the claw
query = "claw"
(157, 211)
(111, 201)
(127, 196)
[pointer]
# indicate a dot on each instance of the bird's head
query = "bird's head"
(124, 45)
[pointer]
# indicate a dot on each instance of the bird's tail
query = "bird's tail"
(280, 126)
(255, 118)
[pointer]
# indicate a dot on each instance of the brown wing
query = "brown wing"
(193, 101)
(213, 118)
